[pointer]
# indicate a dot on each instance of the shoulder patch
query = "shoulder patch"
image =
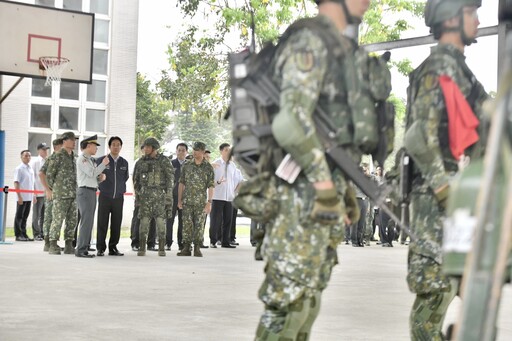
(430, 81)
(304, 60)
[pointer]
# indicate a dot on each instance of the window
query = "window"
(101, 31)
(95, 120)
(39, 89)
(46, 3)
(100, 62)
(69, 90)
(35, 139)
(99, 6)
(74, 5)
(68, 118)
(96, 92)
(40, 116)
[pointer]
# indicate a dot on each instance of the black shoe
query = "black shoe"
(21, 239)
(213, 246)
(347, 242)
(234, 243)
(228, 246)
(39, 238)
(379, 243)
(91, 249)
(357, 245)
(29, 239)
(135, 248)
(115, 252)
(84, 255)
(204, 246)
(168, 247)
(101, 253)
(151, 248)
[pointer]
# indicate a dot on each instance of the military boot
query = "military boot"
(46, 246)
(185, 251)
(161, 247)
(142, 245)
(197, 250)
(68, 248)
(54, 248)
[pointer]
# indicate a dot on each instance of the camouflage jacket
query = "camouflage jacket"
(154, 177)
(44, 167)
(308, 75)
(61, 174)
(426, 136)
(197, 179)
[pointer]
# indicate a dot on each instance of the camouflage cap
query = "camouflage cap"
(151, 141)
(68, 135)
(57, 142)
(199, 146)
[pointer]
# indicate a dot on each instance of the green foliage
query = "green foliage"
(190, 128)
(151, 117)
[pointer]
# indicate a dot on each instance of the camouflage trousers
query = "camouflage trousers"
(152, 205)
(193, 224)
(300, 255)
(434, 290)
(63, 210)
(145, 222)
(48, 216)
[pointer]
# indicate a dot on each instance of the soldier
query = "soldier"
(88, 177)
(454, 24)
(61, 179)
(48, 202)
(300, 242)
(196, 185)
(153, 180)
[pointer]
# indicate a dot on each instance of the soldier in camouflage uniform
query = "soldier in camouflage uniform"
(300, 242)
(195, 193)
(153, 181)
(48, 202)
(61, 179)
(454, 23)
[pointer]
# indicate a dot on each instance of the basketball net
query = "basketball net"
(52, 67)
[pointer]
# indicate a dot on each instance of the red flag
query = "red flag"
(462, 122)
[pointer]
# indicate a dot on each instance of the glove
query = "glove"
(442, 194)
(351, 206)
(327, 207)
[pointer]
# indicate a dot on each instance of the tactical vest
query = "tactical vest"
(151, 173)
(476, 95)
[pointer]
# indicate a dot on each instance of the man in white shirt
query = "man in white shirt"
(38, 210)
(227, 180)
(24, 180)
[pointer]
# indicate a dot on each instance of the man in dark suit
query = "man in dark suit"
(181, 154)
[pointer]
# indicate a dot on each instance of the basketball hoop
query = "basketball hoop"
(52, 67)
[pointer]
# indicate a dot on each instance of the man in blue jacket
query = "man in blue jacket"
(111, 198)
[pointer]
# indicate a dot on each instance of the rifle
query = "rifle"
(261, 88)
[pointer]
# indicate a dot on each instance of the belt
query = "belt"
(91, 188)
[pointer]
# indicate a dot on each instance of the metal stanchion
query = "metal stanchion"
(5, 192)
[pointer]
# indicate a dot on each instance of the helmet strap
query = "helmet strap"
(465, 39)
(351, 20)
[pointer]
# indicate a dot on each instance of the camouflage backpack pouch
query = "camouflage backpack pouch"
(257, 197)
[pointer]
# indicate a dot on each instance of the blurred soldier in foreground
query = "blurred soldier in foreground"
(440, 84)
(153, 180)
(300, 242)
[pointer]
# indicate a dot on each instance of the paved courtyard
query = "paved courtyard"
(45, 297)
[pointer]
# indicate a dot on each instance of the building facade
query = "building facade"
(35, 113)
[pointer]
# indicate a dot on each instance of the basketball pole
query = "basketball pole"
(3, 195)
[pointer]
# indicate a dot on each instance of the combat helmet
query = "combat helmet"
(437, 11)
(151, 141)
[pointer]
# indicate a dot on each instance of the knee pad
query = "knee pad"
(284, 325)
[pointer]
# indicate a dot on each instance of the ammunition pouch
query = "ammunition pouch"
(257, 197)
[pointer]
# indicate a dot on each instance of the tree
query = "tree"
(151, 118)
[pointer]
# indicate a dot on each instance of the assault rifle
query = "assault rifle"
(257, 84)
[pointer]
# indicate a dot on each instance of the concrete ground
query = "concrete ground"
(47, 297)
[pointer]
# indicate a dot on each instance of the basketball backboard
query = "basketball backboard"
(28, 32)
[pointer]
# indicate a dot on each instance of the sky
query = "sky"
(160, 21)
